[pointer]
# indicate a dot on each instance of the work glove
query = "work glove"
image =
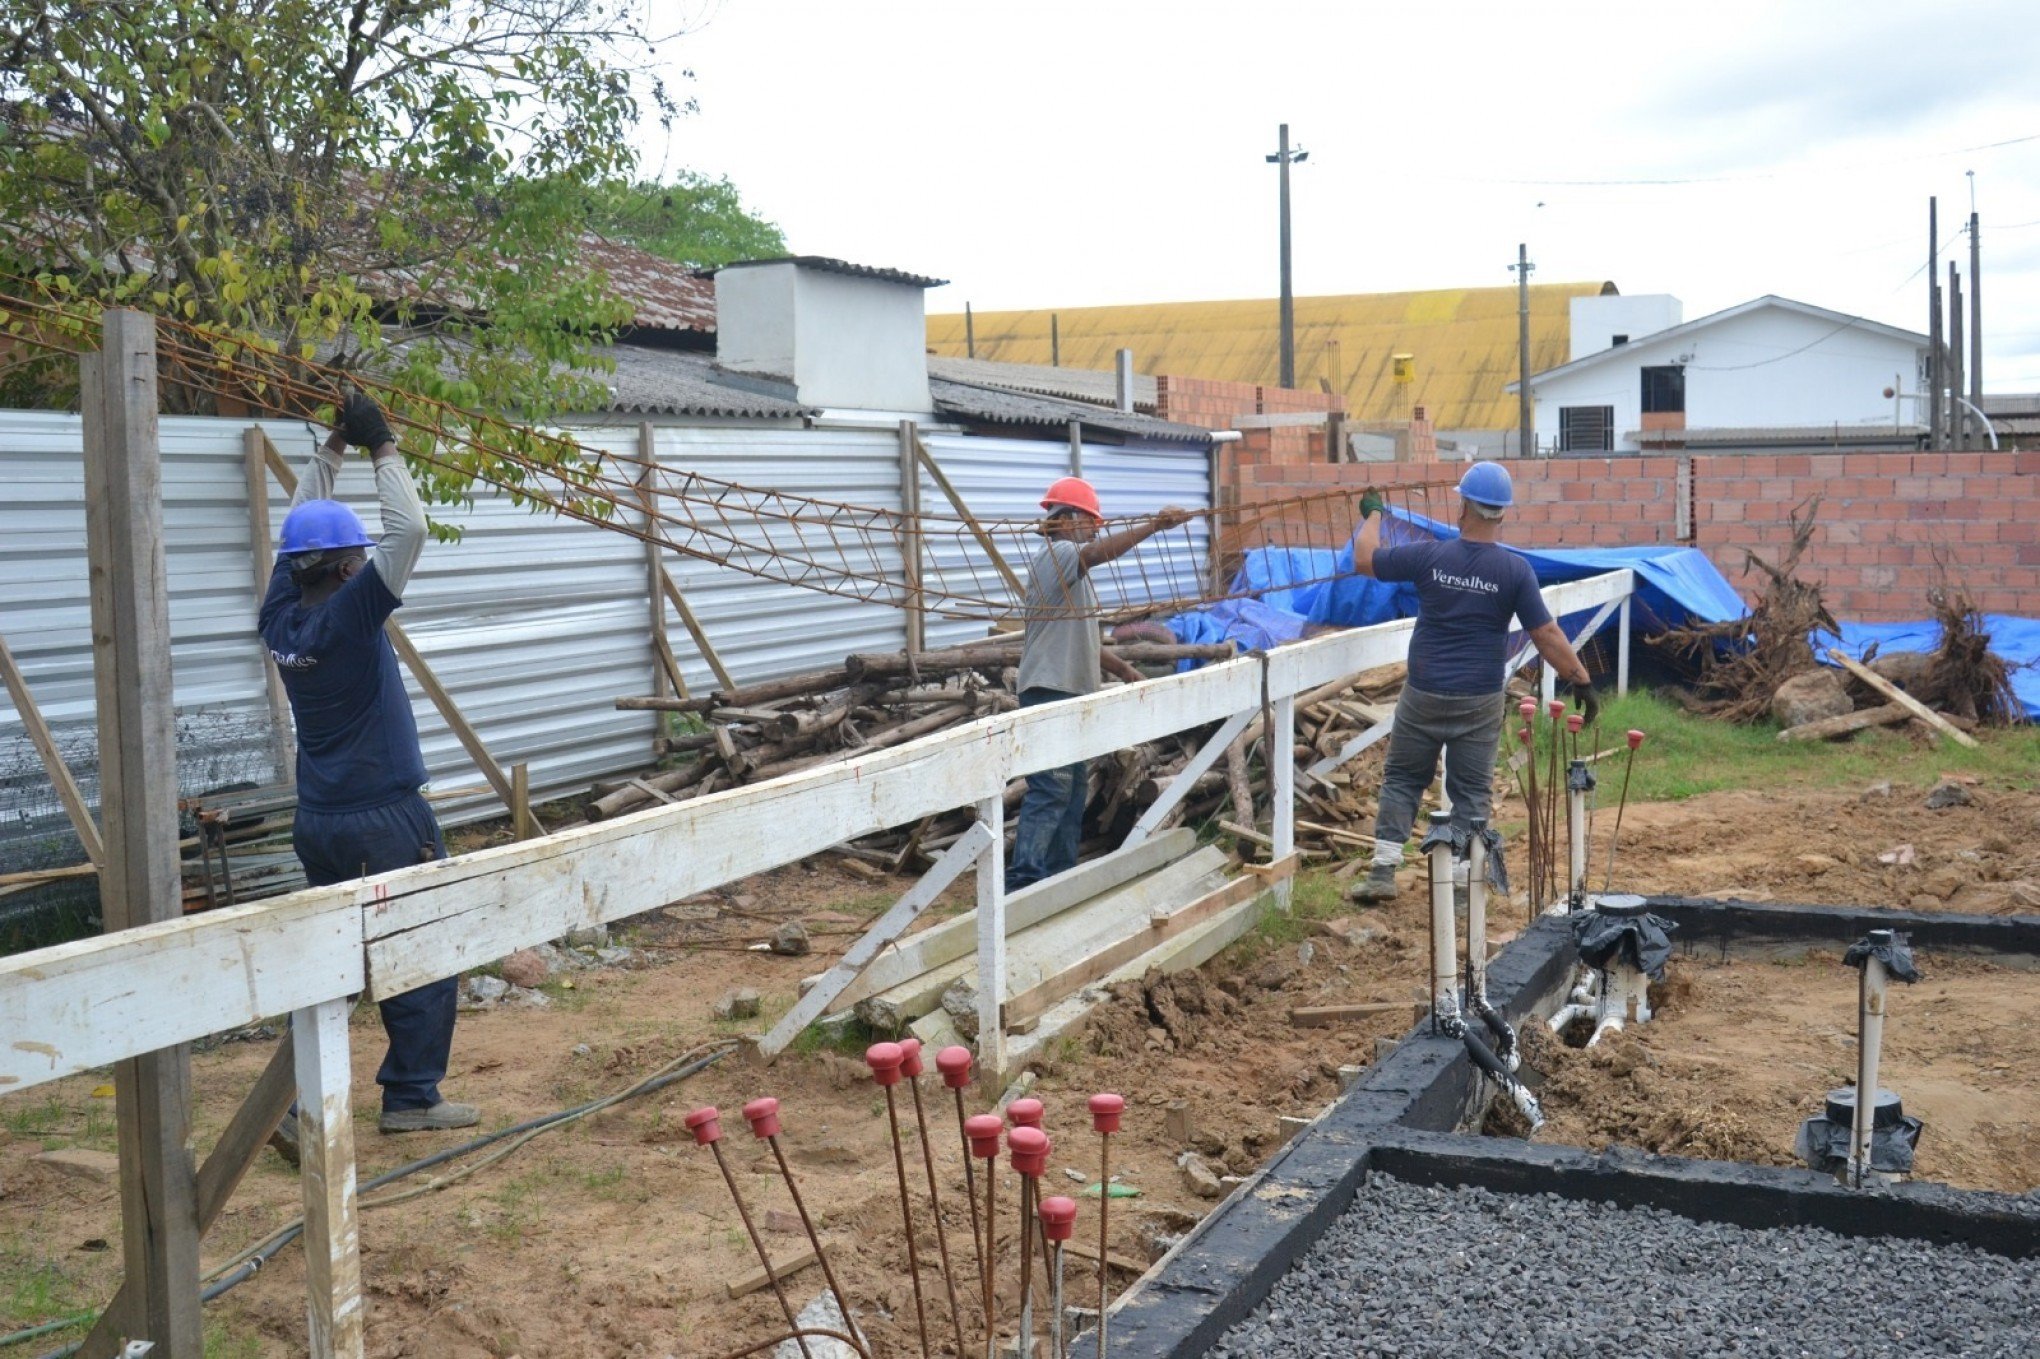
(1371, 503)
(1586, 701)
(363, 422)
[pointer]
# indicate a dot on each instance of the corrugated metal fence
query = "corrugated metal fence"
(535, 624)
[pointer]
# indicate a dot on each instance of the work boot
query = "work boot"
(439, 1118)
(1378, 885)
(285, 1139)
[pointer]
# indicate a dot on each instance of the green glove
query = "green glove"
(1371, 503)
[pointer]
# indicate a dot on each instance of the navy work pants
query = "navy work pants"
(338, 846)
(1051, 815)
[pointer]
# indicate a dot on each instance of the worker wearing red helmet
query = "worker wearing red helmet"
(359, 767)
(1468, 590)
(1062, 657)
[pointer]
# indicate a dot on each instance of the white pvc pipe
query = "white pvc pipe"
(1444, 952)
(1476, 910)
(1576, 832)
(1870, 1043)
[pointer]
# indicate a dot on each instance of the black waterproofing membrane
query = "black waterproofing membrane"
(1461, 840)
(1893, 948)
(1643, 940)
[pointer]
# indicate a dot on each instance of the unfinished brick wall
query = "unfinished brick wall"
(1885, 518)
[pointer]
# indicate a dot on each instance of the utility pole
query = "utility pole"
(969, 333)
(1976, 322)
(1526, 436)
(1284, 158)
(1958, 419)
(1937, 376)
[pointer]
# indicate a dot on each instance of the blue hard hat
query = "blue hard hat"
(320, 526)
(1489, 484)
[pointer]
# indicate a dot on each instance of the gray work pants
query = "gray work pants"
(1466, 729)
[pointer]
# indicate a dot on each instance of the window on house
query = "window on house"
(1614, 340)
(1664, 390)
(1586, 429)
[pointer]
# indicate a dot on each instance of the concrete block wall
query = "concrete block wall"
(1888, 522)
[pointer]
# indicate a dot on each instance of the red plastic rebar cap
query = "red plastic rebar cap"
(1635, 738)
(1105, 1112)
(706, 1125)
(884, 1060)
(1573, 722)
(1030, 1150)
(1528, 707)
(983, 1132)
(910, 1057)
(1523, 735)
(1556, 708)
(1059, 1217)
(954, 1064)
(763, 1115)
(1025, 1113)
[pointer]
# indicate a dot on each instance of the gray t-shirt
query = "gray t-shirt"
(1061, 649)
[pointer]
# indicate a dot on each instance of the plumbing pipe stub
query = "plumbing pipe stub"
(1059, 1217)
(1622, 904)
(910, 1057)
(763, 1115)
(884, 1059)
(1887, 1113)
(983, 1132)
(1025, 1113)
(706, 1125)
(1029, 1147)
(1105, 1111)
(954, 1064)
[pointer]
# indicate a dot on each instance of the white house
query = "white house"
(1768, 373)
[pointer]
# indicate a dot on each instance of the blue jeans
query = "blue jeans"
(1051, 815)
(338, 846)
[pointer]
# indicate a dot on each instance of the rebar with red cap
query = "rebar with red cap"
(1058, 1222)
(954, 1063)
(983, 1133)
(763, 1116)
(1106, 1109)
(1029, 1148)
(910, 1067)
(1635, 739)
(1526, 734)
(706, 1125)
(885, 1059)
(1555, 709)
(1028, 1113)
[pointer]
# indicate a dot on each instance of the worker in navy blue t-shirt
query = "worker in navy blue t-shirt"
(359, 769)
(1468, 590)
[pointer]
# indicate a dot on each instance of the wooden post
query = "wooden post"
(520, 801)
(1281, 752)
(694, 630)
(910, 536)
(666, 676)
(52, 758)
(326, 1170)
(281, 746)
(991, 940)
(139, 882)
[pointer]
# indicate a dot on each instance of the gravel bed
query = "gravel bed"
(1411, 1270)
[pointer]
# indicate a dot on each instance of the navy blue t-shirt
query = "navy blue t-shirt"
(357, 740)
(1466, 594)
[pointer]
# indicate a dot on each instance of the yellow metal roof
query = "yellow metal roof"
(1463, 341)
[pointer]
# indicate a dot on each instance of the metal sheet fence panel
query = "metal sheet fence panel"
(1004, 479)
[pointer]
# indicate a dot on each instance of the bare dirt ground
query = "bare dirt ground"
(616, 1236)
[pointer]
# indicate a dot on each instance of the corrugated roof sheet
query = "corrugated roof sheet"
(997, 406)
(836, 266)
(662, 295)
(1463, 340)
(667, 382)
(1096, 386)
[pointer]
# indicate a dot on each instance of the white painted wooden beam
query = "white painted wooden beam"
(326, 1169)
(991, 919)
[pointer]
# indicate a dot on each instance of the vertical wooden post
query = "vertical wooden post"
(326, 1170)
(991, 939)
(254, 448)
(1622, 647)
(520, 800)
(139, 881)
(666, 676)
(910, 536)
(1281, 750)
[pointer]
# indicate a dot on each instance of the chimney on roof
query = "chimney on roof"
(845, 336)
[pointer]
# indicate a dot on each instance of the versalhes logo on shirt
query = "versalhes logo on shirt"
(292, 661)
(1486, 587)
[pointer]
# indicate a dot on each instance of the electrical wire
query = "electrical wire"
(247, 1263)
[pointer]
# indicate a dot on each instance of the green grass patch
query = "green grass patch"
(1315, 895)
(1686, 755)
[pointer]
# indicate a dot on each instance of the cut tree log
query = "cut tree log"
(1902, 698)
(1886, 715)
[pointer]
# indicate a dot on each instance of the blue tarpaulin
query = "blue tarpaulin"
(2013, 639)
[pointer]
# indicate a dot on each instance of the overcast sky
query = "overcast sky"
(1056, 154)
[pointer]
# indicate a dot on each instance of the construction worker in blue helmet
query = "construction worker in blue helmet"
(359, 768)
(1469, 588)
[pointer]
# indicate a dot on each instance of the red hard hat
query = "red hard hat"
(1073, 493)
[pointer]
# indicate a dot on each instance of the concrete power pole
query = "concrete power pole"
(1526, 436)
(1937, 369)
(1976, 320)
(1284, 158)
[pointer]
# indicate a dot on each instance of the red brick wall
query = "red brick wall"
(1884, 518)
